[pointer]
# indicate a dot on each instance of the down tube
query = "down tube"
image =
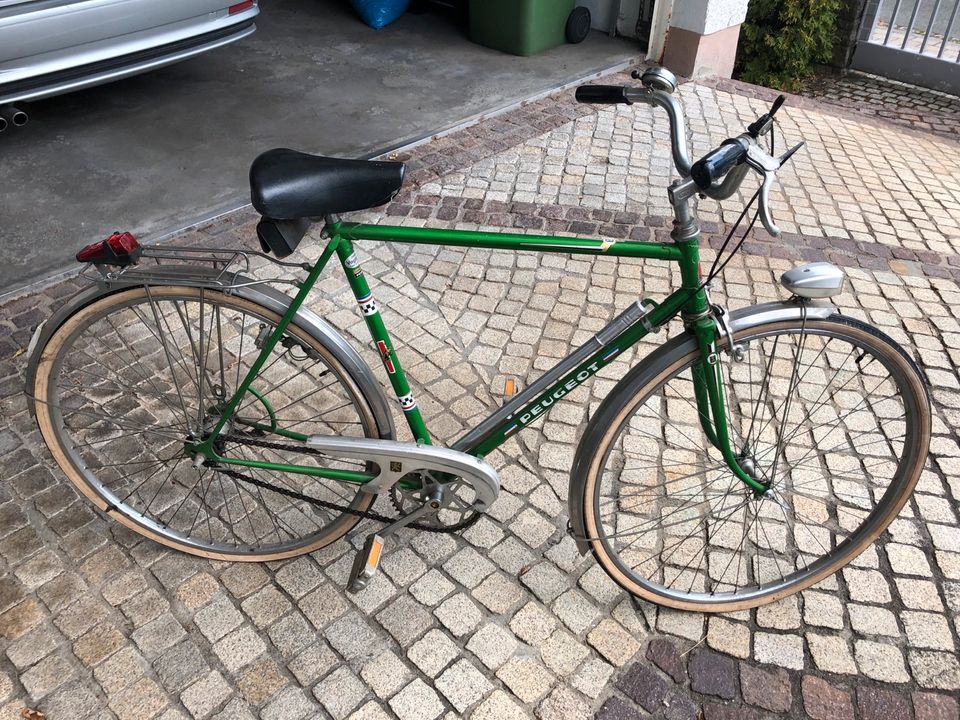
(381, 339)
(515, 420)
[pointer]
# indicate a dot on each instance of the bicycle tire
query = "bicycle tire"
(76, 465)
(645, 380)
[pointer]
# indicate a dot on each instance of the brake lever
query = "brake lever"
(767, 166)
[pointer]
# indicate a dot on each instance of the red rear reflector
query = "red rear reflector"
(240, 7)
(118, 249)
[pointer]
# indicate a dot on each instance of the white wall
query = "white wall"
(708, 16)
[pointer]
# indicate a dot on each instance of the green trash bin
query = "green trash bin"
(519, 27)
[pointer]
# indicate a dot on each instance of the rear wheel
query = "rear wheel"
(128, 380)
(831, 413)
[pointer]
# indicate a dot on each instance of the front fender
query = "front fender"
(264, 295)
(742, 319)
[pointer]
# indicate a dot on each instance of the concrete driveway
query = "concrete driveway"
(160, 151)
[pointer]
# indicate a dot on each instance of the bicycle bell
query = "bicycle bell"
(659, 78)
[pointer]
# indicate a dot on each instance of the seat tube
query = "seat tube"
(381, 339)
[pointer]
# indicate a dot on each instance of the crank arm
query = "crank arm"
(395, 459)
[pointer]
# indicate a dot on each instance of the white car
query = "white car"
(48, 47)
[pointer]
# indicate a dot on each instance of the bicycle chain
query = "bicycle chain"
(366, 514)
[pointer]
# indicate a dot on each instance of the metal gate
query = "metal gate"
(915, 41)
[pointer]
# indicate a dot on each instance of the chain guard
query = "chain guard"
(317, 502)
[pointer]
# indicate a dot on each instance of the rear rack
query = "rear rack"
(199, 266)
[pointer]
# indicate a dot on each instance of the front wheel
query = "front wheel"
(831, 413)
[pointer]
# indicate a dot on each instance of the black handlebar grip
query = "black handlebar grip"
(717, 163)
(602, 94)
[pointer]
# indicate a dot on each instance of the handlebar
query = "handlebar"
(719, 173)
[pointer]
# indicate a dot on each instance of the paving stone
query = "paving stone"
(680, 707)
(468, 567)
(715, 711)
(405, 619)
(880, 704)
(385, 675)
(831, 654)
(880, 661)
(239, 648)
(340, 692)
(46, 676)
(433, 652)
(936, 670)
(197, 591)
(644, 686)
(416, 701)
(217, 619)
(527, 678)
(265, 606)
(769, 690)
(664, 655)
(120, 669)
(206, 695)
(181, 666)
(458, 614)
(499, 706)
(322, 606)
(70, 701)
(545, 581)
(592, 677)
(144, 700)
(562, 653)
(499, 594)
(824, 701)
(493, 645)
(616, 709)
(613, 642)
(563, 704)
(260, 681)
(353, 638)
(403, 566)
(432, 588)
(312, 663)
(463, 685)
(533, 624)
(712, 673)
(932, 706)
(289, 704)
(927, 630)
(783, 650)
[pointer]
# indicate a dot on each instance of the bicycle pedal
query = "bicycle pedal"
(366, 563)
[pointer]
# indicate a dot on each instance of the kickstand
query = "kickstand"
(368, 558)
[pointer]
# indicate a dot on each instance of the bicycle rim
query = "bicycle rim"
(841, 440)
(126, 380)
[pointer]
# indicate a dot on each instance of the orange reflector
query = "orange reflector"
(373, 559)
(510, 388)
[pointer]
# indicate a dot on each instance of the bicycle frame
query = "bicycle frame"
(689, 300)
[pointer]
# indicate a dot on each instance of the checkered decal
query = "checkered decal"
(368, 306)
(407, 403)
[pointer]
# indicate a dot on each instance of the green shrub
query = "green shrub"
(782, 40)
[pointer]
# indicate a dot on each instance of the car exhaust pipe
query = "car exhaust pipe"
(11, 115)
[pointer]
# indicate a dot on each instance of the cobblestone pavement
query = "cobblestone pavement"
(909, 105)
(508, 620)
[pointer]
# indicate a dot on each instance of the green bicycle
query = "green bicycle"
(743, 460)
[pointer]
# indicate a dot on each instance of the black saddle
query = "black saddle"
(290, 185)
